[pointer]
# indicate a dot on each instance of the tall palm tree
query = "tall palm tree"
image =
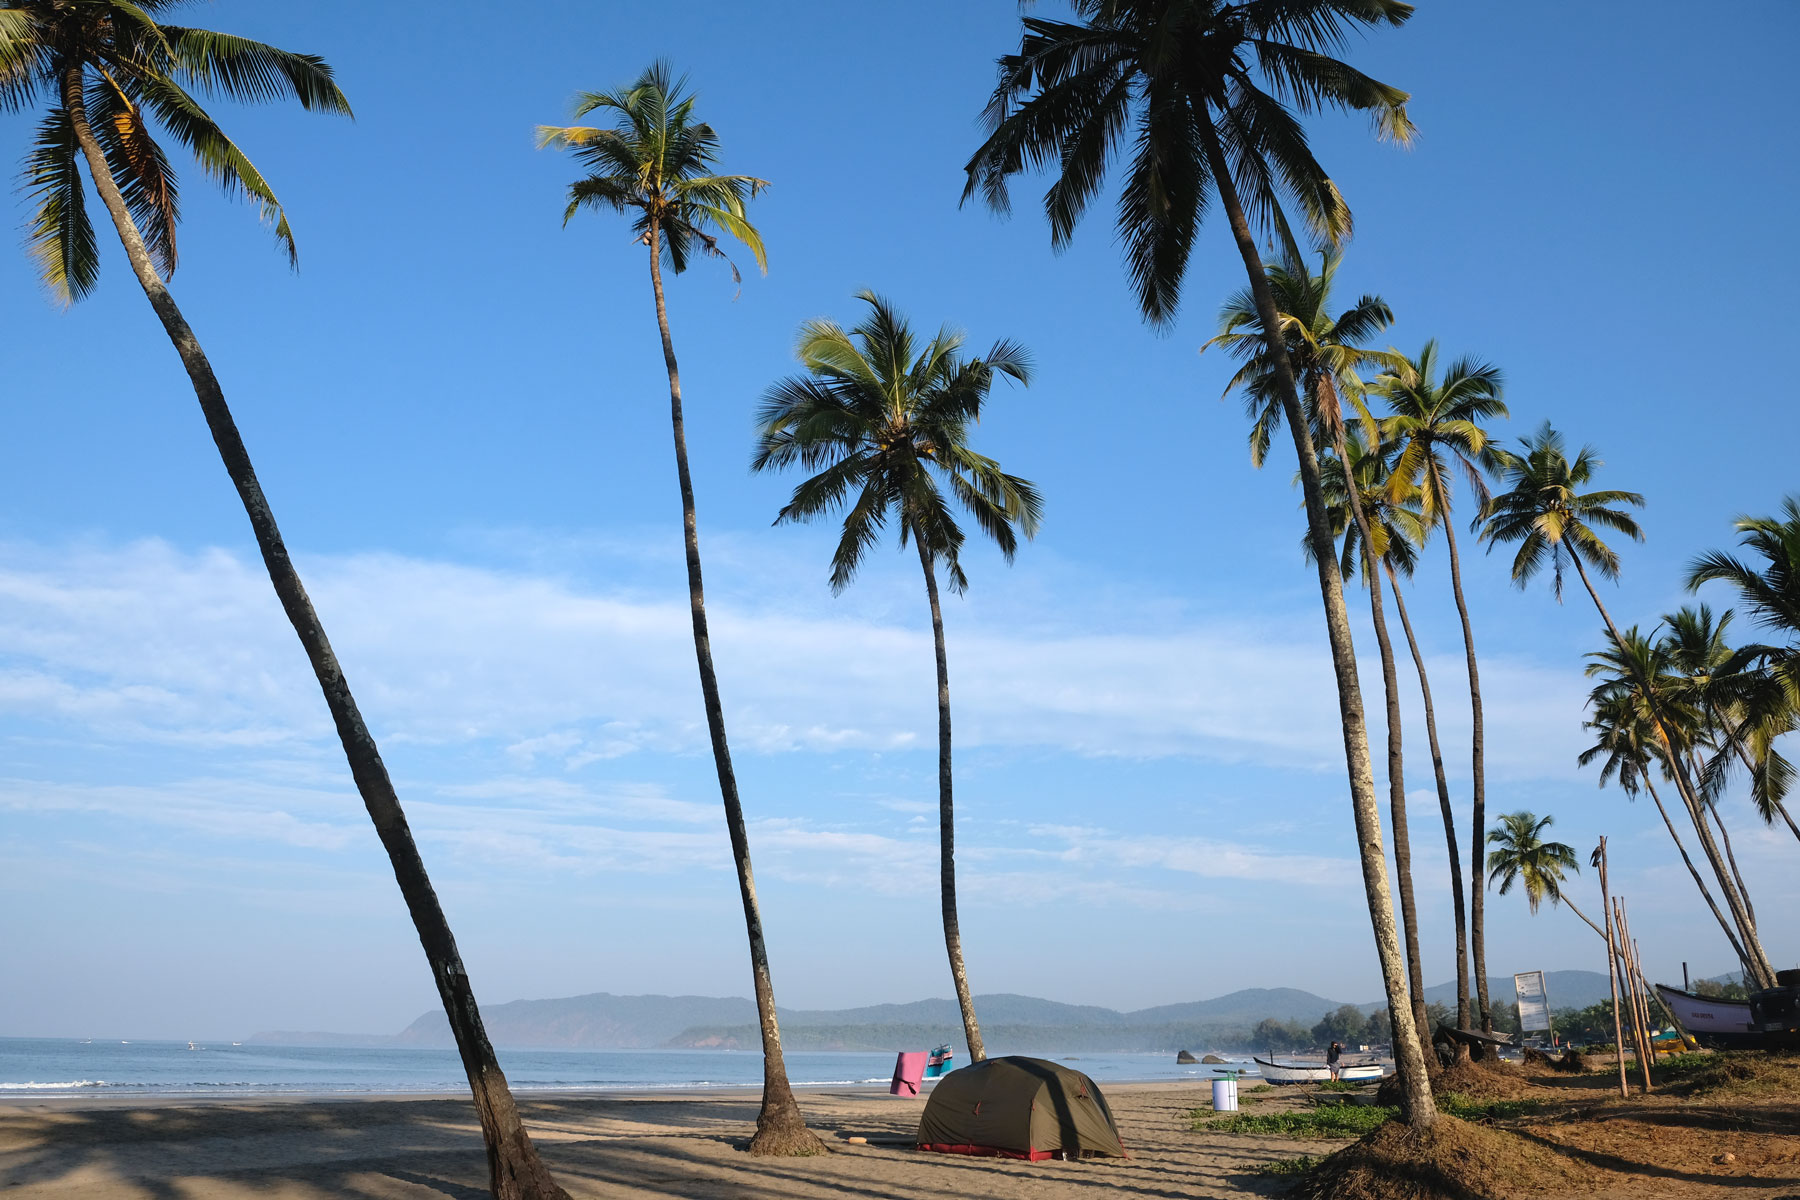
(1395, 532)
(1634, 672)
(113, 79)
(1626, 746)
(1325, 351)
(883, 419)
(1520, 855)
(1767, 677)
(656, 163)
(1209, 88)
(1439, 424)
(1553, 521)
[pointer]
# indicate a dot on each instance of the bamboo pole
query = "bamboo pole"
(1640, 1035)
(1612, 971)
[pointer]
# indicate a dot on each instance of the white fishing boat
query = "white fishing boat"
(1273, 1072)
(1714, 1023)
(1292, 1072)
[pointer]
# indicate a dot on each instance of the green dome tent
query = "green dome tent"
(1019, 1108)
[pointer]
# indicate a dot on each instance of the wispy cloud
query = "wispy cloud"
(148, 643)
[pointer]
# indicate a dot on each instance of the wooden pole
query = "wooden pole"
(1640, 1024)
(1612, 968)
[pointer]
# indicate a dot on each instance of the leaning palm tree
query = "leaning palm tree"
(656, 163)
(1520, 855)
(1626, 746)
(1439, 422)
(1326, 350)
(1767, 677)
(1395, 531)
(113, 79)
(1700, 660)
(884, 421)
(1208, 89)
(1634, 672)
(1553, 521)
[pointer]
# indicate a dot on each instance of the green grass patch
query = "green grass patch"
(1261, 1087)
(1337, 1121)
(1339, 1085)
(1466, 1109)
(1290, 1167)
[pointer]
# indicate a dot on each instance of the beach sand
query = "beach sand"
(637, 1146)
(1720, 1145)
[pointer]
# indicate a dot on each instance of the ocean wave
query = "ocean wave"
(66, 1086)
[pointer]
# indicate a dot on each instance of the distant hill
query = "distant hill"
(1010, 1023)
(1567, 989)
(599, 1021)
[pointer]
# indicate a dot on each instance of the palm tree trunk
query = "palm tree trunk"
(1478, 766)
(1737, 876)
(514, 1168)
(1443, 790)
(959, 976)
(1417, 1106)
(1390, 682)
(1756, 962)
(780, 1129)
(1730, 935)
(1564, 899)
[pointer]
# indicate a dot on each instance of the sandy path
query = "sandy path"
(650, 1147)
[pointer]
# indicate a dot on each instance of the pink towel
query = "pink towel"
(909, 1069)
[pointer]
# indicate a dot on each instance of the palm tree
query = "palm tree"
(1326, 351)
(113, 79)
(1439, 423)
(884, 419)
(1397, 531)
(1766, 677)
(1699, 661)
(656, 164)
(1626, 745)
(1208, 85)
(1634, 672)
(1521, 855)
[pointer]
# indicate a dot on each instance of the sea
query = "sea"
(46, 1067)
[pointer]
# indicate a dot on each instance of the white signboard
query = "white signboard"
(1534, 1002)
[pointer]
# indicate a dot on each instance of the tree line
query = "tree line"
(1192, 107)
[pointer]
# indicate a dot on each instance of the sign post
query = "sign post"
(1534, 1002)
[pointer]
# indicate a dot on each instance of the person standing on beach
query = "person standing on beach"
(1331, 1058)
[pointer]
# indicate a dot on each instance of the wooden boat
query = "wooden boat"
(1360, 1073)
(1291, 1073)
(1714, 1023)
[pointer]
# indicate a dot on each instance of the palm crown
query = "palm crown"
(1520, 855)
(1181, 75)
(1396, 531)
(884, 419)
(1326, 351)
(657, 162)
(1771, 595)
(113, 68)
(1438, 422)
(1547, 513)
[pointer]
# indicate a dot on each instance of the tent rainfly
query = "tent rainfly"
(1019, 1108)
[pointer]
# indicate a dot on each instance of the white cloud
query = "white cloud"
(148, 643)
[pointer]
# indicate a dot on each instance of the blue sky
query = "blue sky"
(458, 410)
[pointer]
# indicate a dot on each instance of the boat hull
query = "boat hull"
(1714, 1023)
(1277, 1073)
